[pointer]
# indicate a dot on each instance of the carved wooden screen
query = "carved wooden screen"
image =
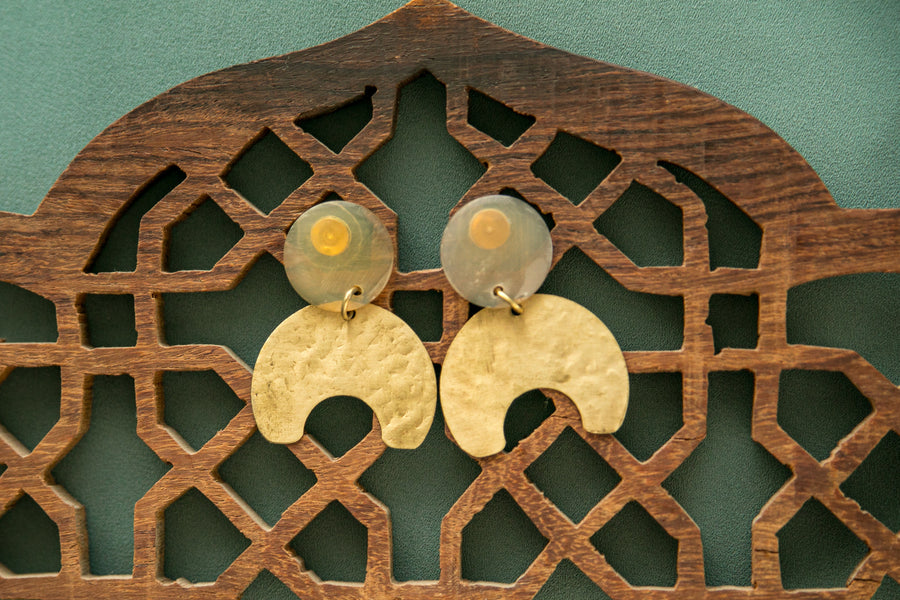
(649, 147)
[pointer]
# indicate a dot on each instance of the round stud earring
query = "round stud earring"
(496, 252)
(339, 256)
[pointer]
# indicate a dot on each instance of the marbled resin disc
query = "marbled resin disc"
(334, 246)
(496, 241)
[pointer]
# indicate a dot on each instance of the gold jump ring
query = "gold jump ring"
(515, 306)
(349, 314)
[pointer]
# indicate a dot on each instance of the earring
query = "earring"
(496, 252)
(339, 256)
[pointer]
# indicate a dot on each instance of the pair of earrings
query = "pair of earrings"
(496, 251)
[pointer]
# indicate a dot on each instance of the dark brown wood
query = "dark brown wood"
(201, 125)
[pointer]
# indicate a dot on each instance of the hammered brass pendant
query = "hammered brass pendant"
(315, 354)
(555, 344)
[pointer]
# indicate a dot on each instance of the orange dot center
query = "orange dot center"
(330, 236)
(489, 229)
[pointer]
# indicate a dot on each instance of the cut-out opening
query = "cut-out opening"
(638, 548)
(223, 318)
(200, 238)
(874, 482)
(423, 311)
(645, 226)
(198, 404)
(268, 587)
(29, 539)
(266, 172)
(816, 550)
(735, 239)
(334, 545)
(200, 542)
(108, 470)
(639, 321)
(654, 412)
(495, 119)
(339, 423)
(29, 402)
(419, 487)
(500, 542)
(117, 249)
(271, 490)
(421, 160)
(574, 167)
(572, 475)
(860, 311)
(734, 319)
(524, 416)
(568, 581)
(727, 479)
(819, 408)
(335, 128)
(547, 217)
(26, 316)
(888, 590)
(109, 320)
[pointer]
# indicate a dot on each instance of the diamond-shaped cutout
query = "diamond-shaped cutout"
(501, 529)
(819, 408)
(572, 475)
(735, 240)
(339, 423)
(639, 321)
(109, 320)
(210, 317)
(439, 472)
(266, 172)
(200, 542)
(421, 160)
(118, 246)
(524, 416)
(201, 236)
(874, 482)
(271, 490)
(645, 226)
(816, 550)
(198, 404)
(568, 581)
(727, 479)
(268, 587)
(334, 545)
(654, 412)
(25, 316)
(574, 167)
(423, 311)
(29, 402)
(29, 539)
(496, 119)
(107, 471)
(734, 320)
(888, 590)
(335, 128)
(638, 548)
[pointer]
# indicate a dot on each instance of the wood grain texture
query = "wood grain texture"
(204, 124)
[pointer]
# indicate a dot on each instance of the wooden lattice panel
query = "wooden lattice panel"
(663, 135)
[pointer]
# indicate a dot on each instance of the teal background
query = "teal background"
(823, 75)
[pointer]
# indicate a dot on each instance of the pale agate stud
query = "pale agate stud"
(496, 241)
(333, 248)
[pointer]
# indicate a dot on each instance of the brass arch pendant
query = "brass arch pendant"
(641, 129)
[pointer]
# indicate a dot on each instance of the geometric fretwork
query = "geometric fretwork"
(233, 137)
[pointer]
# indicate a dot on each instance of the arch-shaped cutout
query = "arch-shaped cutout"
(117, 250)
(314, 355)
(498, 356)
(26, 316)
